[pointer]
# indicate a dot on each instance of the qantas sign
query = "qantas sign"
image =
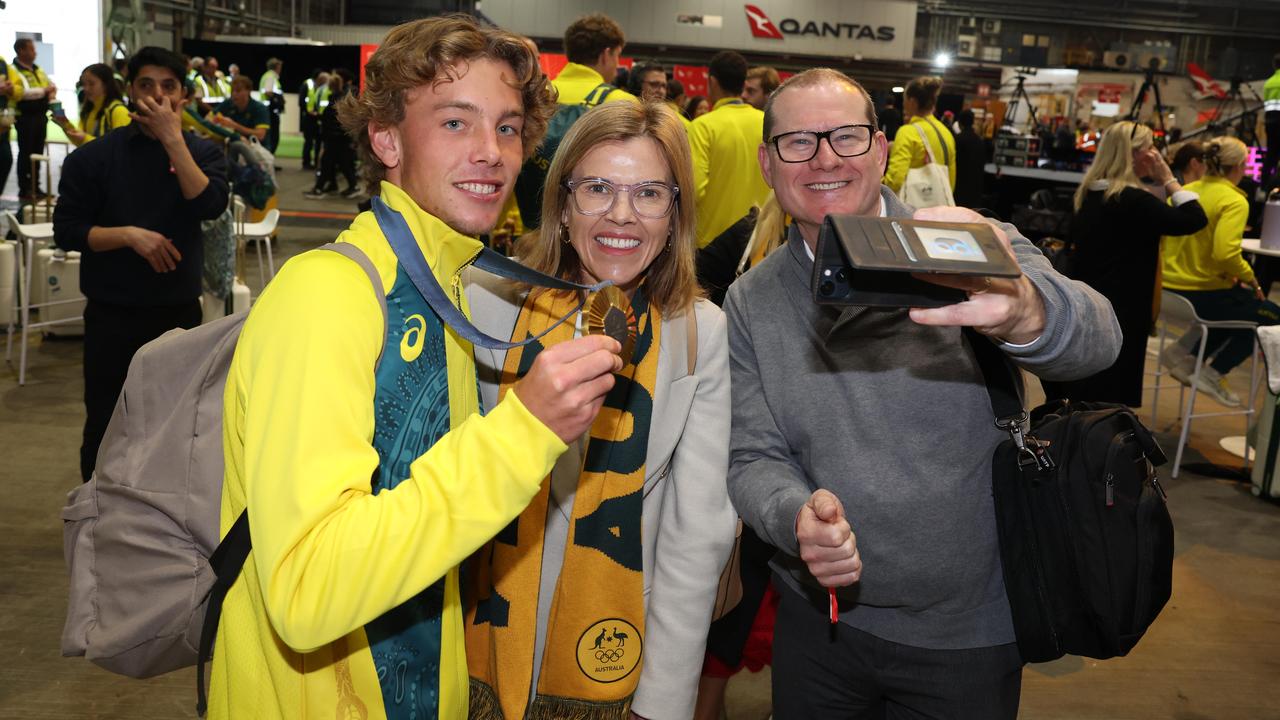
(763, 27)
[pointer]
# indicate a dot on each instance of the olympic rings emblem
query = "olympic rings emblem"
(606, 655)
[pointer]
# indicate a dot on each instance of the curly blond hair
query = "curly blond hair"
(423, 52)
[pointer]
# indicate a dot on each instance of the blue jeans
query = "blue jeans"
(1228, 348)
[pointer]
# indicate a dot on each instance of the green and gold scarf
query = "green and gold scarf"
(595, 636)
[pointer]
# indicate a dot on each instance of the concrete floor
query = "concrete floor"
(1213, 654)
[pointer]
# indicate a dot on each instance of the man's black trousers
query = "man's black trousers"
(31, 131)
(112, 334)
(853, 675)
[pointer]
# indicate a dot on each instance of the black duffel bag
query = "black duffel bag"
(1086, 540)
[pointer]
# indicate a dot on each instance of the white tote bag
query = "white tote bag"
(928, 186)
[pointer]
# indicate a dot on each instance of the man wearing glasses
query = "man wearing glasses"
(876, 421)
(132, 203)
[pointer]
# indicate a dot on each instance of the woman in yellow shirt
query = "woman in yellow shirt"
(103, 109)
(1209, 269)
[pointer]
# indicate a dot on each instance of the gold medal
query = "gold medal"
(609, 313)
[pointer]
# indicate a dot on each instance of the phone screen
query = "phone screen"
(949, 244)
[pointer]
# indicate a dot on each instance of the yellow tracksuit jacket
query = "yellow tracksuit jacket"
(575, 82)
(350, 523)
(908, 150)
(726, 166)
(1210, 259)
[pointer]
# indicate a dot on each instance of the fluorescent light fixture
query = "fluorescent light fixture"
(942, 60)
(898, 88)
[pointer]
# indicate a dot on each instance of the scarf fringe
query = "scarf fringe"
(484, 706)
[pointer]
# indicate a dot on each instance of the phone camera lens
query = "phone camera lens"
(827, 288)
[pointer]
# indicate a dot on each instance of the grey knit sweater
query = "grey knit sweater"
(893, 418)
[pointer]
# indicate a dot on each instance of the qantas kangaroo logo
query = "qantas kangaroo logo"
(761, 25)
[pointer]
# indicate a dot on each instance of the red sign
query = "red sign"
(553, 63)
(693, 78)
(761, 25)
(366, 52)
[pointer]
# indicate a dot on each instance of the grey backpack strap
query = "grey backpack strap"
(360, 258)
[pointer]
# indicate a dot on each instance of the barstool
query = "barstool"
(1178, 309)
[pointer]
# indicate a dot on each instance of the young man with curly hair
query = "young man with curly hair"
(355, 444)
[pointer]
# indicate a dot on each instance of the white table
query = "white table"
(1254, 245)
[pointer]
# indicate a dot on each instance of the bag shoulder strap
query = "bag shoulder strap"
(598, 94)
(691, 332)
(1006, 403)
(358, 256)
(226, 562)
(928, 149)
(942, 143)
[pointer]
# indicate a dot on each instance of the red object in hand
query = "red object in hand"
(835, 606)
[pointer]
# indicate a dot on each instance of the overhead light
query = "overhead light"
(898, 88)
(942, 60)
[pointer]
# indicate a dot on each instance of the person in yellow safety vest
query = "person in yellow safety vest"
(725, 143)
(593, 44)
(32, 91)
(1271, 107)
(314, 101)
(103, 109)
(212, 86)
(271, 94)
(6, 122)
(918, 102)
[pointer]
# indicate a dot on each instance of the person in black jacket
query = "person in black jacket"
(131, 202)
(1115, 248)
(337, 154)
(971, 156)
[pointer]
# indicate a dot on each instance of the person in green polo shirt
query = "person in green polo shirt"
(242, 113)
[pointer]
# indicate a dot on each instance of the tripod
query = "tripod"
(1148, 84)
(1246, 130)
(1020, 94)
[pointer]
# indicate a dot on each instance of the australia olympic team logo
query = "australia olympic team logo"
(609, 650)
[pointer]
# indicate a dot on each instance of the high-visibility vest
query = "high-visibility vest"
(317, 98)
(1271, 93)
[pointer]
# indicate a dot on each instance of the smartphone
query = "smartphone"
(55, 109)
(873, 261)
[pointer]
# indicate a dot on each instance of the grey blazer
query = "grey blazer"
(684, 491)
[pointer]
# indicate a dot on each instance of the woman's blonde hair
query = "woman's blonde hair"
(1114, 160)
(769, 233)
(670, 281)
(1224, 154)
(428, 52)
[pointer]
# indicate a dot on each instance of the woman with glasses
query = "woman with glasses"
(1115, 249)
(596, 601)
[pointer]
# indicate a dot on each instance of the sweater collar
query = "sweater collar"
(1219, 180)
(576, 71)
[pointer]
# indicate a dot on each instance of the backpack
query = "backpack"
(1086, 541)
(930, 185)
(252, 172)
(533, 174)
(139, 536)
